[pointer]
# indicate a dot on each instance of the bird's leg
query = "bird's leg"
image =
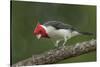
(65, 40)
(57, 42)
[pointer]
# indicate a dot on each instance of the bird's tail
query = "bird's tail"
(86, 33)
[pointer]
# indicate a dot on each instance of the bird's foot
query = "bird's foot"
(64, 46)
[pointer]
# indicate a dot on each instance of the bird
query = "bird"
(57, 31)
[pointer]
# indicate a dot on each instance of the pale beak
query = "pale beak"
(38, 36)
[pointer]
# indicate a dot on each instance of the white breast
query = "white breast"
(57, 34)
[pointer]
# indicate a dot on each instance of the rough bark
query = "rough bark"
(58, 54)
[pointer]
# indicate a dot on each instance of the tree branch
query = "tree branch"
(58, 54)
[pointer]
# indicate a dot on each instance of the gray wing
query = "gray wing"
(59, 25)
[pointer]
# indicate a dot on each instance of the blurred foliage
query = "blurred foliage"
(23, 21)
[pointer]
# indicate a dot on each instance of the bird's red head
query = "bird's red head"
(40, 31)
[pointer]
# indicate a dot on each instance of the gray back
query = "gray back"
(58, 25)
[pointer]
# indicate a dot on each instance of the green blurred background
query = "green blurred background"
(23, 15)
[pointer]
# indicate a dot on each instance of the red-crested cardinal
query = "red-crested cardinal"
(56, 30)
